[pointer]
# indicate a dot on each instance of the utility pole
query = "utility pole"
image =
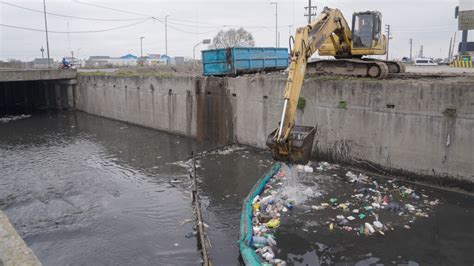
(278, 39)
(276, 22)
(46, 29)
(77, 54)
(166, 37)
(42, 51)
(454, 43)
(141, 46)
(68, 38)
(411, 46)
(205, 41)
(464, 42)
(449, 50)
(310, 11)
(387, 30)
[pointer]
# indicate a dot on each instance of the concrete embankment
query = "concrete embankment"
(13, 250)
(417, 127)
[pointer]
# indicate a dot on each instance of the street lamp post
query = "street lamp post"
(276, 22)
(77, 56)
(205, 41)
(46, 29)
(166, 37)
(141, 46)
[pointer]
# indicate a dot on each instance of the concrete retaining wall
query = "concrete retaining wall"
(422, 127)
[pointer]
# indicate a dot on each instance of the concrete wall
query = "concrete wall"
(422, 127)
(167, 104)
(418, 126)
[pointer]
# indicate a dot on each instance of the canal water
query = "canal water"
(84, 190)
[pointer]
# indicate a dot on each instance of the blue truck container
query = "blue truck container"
(240, 60)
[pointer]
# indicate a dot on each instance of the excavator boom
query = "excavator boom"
(293, 144)
(289, 143)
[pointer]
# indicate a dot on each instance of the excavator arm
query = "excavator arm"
(290, 143)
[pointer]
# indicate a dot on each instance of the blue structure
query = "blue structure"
(239, 60)
(128, 56)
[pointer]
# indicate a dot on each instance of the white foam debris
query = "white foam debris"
(9, 118)
(230, 150)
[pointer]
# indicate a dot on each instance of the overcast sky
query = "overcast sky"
(430, 23)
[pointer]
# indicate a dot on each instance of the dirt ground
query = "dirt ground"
(195, 70)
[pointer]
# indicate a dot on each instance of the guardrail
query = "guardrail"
(461, 64)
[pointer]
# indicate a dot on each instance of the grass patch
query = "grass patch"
(95, 73)
(301, 103)
(127, 73)
(342, 105)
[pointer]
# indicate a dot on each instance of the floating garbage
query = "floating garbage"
(354, 203)
(276, 194)
(10, 118)
(308, 169)
(259, 220)
(376, 205)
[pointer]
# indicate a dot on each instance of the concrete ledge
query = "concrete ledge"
(32, 75)
(13, 250)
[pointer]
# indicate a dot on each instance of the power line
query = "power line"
(67, 16)
(66, 32)
(185, 31)
(424, 31)
(111, 8)
(170, 21)
(429, 27)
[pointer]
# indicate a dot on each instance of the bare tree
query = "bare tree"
(231, 38)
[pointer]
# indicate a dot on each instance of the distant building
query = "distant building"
(129, 57)
(179, 60)
(107, 61)
(155, 59)
(97, 61)
(469, 49)
(42, 63)
(125, 60)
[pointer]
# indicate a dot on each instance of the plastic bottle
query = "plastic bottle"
(259, 240)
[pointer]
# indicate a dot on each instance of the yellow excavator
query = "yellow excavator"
(331, 35)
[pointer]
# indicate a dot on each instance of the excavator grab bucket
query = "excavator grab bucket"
(297, 150)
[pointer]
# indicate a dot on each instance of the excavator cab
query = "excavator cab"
(367, 37)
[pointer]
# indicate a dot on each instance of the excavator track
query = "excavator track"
(350, 67)
(393, 66)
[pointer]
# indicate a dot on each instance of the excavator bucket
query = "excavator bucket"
(297, 150)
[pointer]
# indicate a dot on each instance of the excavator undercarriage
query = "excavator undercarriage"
(371, 68)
